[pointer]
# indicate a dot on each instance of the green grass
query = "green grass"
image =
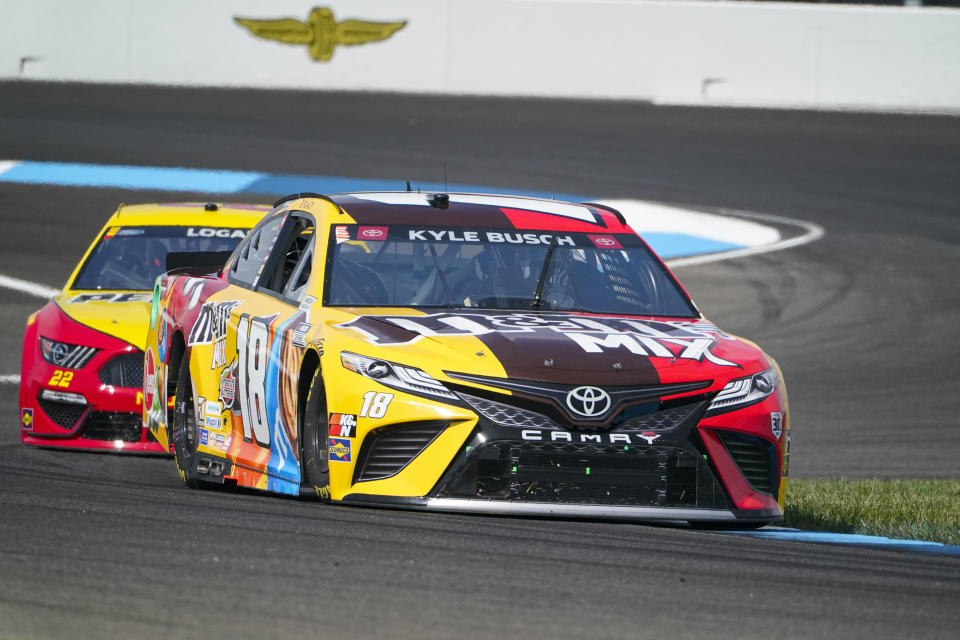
(905, 509)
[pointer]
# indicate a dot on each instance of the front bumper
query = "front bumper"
(671, 465)
(567, 510)
(103, 416)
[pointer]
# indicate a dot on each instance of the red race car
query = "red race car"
(82, 370)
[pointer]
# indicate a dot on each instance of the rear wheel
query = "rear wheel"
(184, 437)
(314, 464)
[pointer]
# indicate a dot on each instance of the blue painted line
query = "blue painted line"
(921, 546)
(667, 245)
(677, 245)
(215, 181)
(129, 177)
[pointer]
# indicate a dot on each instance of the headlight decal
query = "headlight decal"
(65, 355)
(395, 375)
(745, 391)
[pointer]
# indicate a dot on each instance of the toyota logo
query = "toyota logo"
(588, 402)
(605, 242)
(372, 233)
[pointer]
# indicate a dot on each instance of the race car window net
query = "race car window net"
(405, 266)
(288, 268)
(246, 265)
(133, 257)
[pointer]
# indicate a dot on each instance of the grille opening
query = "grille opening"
(508, 415)
(755, 457)
(386, 452)
(124, 370)
(660, 416)
(113, 425)
(543, 408)
(63, 414)
(584, 473)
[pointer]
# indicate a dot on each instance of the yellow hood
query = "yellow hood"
(121, 314)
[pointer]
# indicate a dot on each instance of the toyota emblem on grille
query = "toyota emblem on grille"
(589, 402)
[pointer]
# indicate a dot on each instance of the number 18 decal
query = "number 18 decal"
(252, 349)
(375, 404)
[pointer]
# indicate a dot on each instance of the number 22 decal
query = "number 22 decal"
(252, 349)
(375, 404)
(60, 378)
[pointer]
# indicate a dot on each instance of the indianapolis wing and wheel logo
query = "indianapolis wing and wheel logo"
(589, 402)
(321, 33)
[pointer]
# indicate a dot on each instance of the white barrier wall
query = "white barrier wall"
(710, 53)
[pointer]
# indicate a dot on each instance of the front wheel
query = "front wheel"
(314, 463)
(184, 436)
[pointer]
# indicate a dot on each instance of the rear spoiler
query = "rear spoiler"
(197, 262)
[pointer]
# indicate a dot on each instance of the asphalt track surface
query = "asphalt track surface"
(863, 323)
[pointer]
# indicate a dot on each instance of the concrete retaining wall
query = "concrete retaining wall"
(710, 53)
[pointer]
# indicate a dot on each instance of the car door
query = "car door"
(269, 327)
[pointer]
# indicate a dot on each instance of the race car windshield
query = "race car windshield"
(133, 257)
(498, 269)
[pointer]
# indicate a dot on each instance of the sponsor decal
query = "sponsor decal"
(776, 424)
(210, 232)
(211, 327)
(343, 425)
(149, 379)
(786, 456)
(81, 298)
(163, 342)
(372, 233)
(320, 33)
(593, 334)
(494, 237)
(26, 419)
(213, 408)
(299, 338)
(342, 234)
(213, 422)
(589, 402)
(228, 385)
(112, 231)
(192, 288)
(204, 436)
(129, 232)
(339, 450)
(307, 303)
(538, 435)
(605, 242)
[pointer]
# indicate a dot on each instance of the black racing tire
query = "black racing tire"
(184, 436)
(314, 454)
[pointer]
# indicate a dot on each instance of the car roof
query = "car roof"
(189, 213)
(477, 210)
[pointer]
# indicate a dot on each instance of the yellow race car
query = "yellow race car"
(463, 352)
(81, 380)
